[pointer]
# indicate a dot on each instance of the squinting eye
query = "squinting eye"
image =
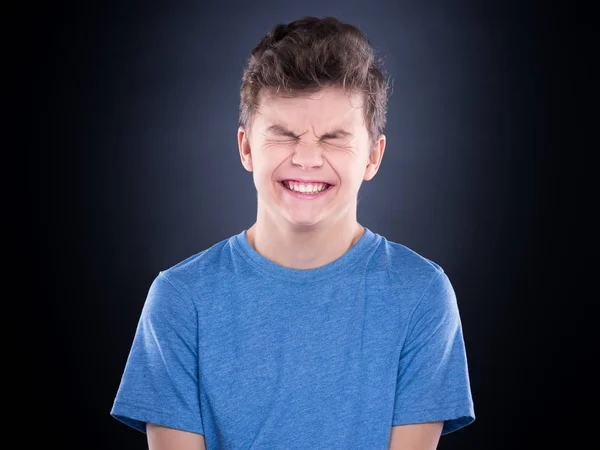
(335, 142)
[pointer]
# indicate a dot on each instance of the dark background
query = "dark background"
(132, 110)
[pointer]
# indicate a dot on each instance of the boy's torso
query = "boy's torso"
(314, 361)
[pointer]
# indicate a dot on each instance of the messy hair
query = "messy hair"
(309, 54)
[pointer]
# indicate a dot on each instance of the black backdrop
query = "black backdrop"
(133, 114)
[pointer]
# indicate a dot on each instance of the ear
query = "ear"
(375, 157)
(244, 147)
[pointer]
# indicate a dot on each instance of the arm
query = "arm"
(433, 381)
(422, 436)
(160, 383)
(163, 438)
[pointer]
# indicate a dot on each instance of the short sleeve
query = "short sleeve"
(433, 378)
(160, 381)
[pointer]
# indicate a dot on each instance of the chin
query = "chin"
(305, 222)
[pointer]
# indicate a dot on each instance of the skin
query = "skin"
(163, 438)
(307, 234)
(420, 436)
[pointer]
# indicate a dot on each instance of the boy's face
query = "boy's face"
(317, 137)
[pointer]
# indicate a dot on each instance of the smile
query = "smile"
(305, 195)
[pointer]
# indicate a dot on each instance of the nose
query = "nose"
(307, 156)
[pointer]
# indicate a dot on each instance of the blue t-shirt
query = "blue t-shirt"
(254, 355)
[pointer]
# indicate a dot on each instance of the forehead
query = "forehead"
(324, 108)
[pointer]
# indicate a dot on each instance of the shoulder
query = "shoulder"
(403, 264)
(197, 270)
(411, 280)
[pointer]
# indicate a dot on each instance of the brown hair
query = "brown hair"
(311, 53)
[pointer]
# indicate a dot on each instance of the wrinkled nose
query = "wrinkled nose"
(307, 156)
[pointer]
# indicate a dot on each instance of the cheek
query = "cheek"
(347, 168)
(264, 172)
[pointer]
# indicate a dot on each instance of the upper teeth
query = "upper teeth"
(301, 187)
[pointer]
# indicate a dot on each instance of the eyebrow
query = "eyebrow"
(280, 130)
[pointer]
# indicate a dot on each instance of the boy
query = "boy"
(308, 330)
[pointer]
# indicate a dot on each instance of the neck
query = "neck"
(303, 248)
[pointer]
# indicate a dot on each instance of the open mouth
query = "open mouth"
(308, 193)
